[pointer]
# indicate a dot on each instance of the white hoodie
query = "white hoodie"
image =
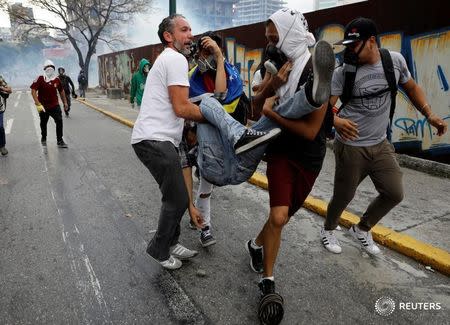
(54, 75)
(294, 40)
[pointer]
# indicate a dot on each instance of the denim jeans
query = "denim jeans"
(216, 158)
(2, 131)
(162, 160)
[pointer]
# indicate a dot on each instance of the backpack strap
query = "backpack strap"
(388, 67)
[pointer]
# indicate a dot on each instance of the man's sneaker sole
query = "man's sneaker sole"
(323, 66)
(251, 261)
(259, 141)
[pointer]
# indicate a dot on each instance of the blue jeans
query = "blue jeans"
(216, 158)
(2, 132)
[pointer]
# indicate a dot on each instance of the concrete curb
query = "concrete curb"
(112, 115)
(437, 258)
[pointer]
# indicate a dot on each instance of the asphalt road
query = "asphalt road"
(74, 224)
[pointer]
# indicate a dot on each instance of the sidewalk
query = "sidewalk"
(418, 227)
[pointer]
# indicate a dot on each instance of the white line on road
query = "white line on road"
(87, 282)
(16, 103)
(9, 124)
(19, 93)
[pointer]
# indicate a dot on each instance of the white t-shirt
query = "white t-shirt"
(157, 119)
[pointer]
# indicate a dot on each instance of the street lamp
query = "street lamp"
(172, 6)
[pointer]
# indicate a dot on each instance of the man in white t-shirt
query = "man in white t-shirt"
(157, 133)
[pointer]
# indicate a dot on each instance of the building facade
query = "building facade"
(209, 15)
(323, 4)
(255, 11)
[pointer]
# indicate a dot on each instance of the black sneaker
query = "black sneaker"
(256, 257)
(3, 151)
(206, 238)
(62, 144)
(44, 141)
(270, 310)
(253, 138)
(266, 286)
(323, 61)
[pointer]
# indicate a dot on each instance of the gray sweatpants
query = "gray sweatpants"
(353, 164)
(163, 161)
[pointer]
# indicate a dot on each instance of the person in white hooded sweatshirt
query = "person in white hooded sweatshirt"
(295, 158)
(44, 91)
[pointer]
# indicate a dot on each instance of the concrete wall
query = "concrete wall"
(419, 30)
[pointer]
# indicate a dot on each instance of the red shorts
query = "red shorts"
(289, 183)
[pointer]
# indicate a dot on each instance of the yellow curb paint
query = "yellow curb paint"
(427, 254)
(112, 115)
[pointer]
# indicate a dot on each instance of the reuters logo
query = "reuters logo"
(385, 306)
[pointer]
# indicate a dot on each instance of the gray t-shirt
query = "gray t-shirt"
(370, 114)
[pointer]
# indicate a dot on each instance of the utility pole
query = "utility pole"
(172, 6)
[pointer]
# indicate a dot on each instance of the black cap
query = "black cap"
(357, 30)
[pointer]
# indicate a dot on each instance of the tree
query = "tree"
(84, 22)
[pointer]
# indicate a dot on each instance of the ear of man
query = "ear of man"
(168, 37)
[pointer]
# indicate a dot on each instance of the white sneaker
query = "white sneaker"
(330, 241)
(171, 263)
(181, 252)
(365, 239)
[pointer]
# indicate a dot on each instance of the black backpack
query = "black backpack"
(388, 67)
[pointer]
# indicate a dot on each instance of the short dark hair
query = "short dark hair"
(267, 22)
(167, 25)
(216, 38)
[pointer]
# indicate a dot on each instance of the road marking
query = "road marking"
(16, 103)
(9, 124)
(19, 93)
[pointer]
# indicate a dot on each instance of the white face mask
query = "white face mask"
(49, 72)
(146, 68)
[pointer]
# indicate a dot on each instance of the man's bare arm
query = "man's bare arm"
(179, 97)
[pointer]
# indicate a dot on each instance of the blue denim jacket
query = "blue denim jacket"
(216, 158)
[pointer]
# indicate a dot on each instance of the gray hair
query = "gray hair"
(167, 25)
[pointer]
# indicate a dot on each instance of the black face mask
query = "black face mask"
(276, 59)
(352, 58)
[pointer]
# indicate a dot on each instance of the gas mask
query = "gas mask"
(49, 72)
(206, 64)
(276, 59)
